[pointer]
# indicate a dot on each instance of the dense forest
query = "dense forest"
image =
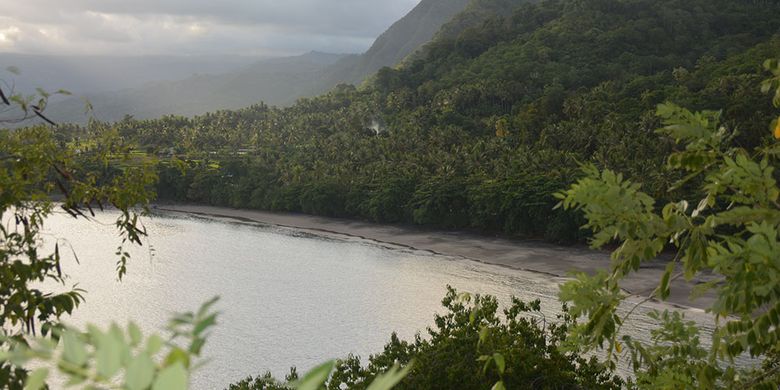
(481, 127)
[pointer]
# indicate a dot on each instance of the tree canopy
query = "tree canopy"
(478, 130)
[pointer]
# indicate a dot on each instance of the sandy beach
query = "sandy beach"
(524, 255)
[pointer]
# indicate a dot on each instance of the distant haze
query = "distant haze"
(92, 74)
(203, 72)
(194, 27)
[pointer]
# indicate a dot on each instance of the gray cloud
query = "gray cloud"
(195, 26)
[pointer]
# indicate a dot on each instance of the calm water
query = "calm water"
(287, 297)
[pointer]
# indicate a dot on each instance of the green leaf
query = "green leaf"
(485, 366)
(207, 306)
(483, 334)
(204, 324)
(390, 378)
(499, 386)
(197, 345)
(153, 344)
(316, 377)
(500, 362)
(177, 355)
(136, 336)
(140, 373)
(171, 378)
(108, 355)
(75, 380)
(37, 379)
(664, 288)
(75, 352)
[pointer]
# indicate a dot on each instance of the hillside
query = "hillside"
(401, 39)
(475, 14)
(484, 126)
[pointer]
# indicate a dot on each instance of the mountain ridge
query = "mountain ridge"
(402, 38)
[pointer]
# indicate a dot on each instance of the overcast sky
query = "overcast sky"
(194, 27)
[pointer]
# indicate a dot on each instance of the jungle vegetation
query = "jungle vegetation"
(480, 129)
(729, 227)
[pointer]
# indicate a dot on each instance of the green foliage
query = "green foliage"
(729, 227)
(116, 357)
(470, 347)
(772, 84)
(490, 118)
(38, 165)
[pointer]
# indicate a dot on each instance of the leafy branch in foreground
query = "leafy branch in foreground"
(16, 107)
(37, 167)
(728, 227)
(119, 358)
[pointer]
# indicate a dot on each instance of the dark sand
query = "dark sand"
(516, 254)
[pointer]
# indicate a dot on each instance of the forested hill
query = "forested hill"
(475, 13)
(481, 129)
(401, 39)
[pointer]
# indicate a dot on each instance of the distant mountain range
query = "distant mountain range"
(277, 81)
(95, 74)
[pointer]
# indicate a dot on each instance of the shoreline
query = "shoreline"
(523, 255)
